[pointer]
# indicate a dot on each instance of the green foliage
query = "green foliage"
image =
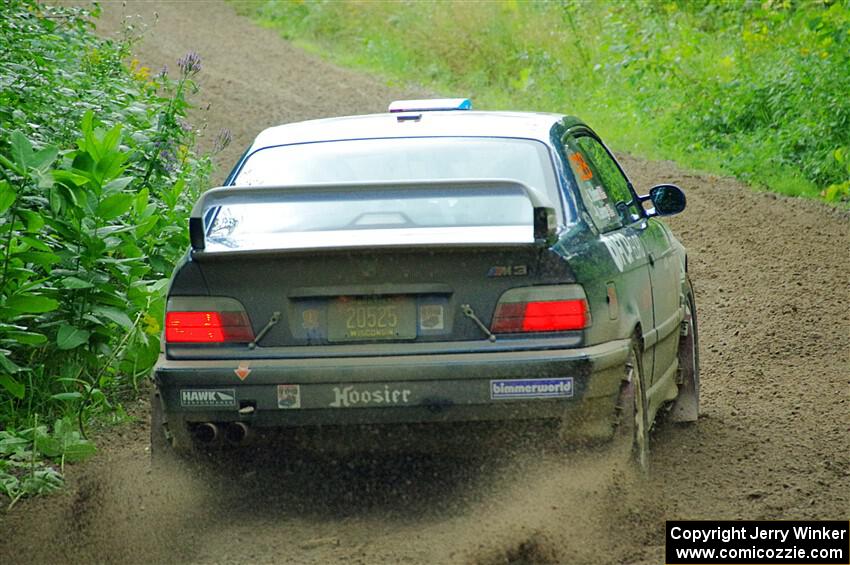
(839, 191)
(757, 89)
(23, 470)
(97, 176)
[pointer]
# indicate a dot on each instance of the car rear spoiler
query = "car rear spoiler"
(545, 219)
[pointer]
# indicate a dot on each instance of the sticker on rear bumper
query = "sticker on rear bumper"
(531, 388)
(348, 396)
(208, 398)
(288, 396)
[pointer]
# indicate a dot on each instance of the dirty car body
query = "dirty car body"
(423, 266)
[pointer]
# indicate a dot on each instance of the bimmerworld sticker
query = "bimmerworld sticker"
(208, 398)
(531, 388)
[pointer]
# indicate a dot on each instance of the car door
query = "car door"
(665, 271)
(606, 197)
(662, 261)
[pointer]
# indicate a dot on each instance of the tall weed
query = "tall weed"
(97, 175)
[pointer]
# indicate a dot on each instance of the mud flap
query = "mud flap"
(168, 439)
(160, 442)
(686, 406)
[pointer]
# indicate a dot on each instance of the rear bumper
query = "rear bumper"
(528, 384)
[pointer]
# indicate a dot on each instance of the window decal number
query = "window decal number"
(580, 166)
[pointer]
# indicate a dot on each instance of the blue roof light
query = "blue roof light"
(430, 105)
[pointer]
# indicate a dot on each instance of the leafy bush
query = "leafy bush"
(97, 177)
(22, 453)
(757, 89)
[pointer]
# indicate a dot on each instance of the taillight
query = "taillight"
(541, 316)
(207, 327)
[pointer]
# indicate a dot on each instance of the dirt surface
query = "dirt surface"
(773, 441)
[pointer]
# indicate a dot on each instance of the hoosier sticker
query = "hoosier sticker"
(347, 396)
(531, 388)
(208, 398)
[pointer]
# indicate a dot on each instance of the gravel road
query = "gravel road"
(771, 277)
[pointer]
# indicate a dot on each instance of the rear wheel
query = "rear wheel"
(631, 424)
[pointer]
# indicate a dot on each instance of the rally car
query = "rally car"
(429, 265)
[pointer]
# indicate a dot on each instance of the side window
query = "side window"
(599, 202)
(616, 185)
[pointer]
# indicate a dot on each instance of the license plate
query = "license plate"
(352, 319)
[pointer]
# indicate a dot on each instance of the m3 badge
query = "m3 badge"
(508, 271)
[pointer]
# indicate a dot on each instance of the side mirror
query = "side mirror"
(667, 199)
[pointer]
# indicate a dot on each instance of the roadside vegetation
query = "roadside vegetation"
(757, 89)
(97, 175)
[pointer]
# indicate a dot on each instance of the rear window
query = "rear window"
(404, 159)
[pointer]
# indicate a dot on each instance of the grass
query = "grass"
(754, 90)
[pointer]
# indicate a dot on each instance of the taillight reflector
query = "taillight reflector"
(551, 316)
(207, 327)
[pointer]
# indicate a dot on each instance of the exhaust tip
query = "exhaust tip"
(206, 432)
(237, 432)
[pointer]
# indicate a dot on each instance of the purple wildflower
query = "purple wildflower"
(167, 155)
(190, 64)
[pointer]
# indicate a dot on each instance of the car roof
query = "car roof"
(530, 125)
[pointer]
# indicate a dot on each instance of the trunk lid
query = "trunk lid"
(369, 296)
(373, 263)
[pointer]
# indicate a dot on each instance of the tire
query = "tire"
(686, 406)
(631, 423)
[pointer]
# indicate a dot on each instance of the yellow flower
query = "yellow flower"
(93, 56)
(150, 325)
(138, 71)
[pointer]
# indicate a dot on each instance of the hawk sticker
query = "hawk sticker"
(208, 398)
